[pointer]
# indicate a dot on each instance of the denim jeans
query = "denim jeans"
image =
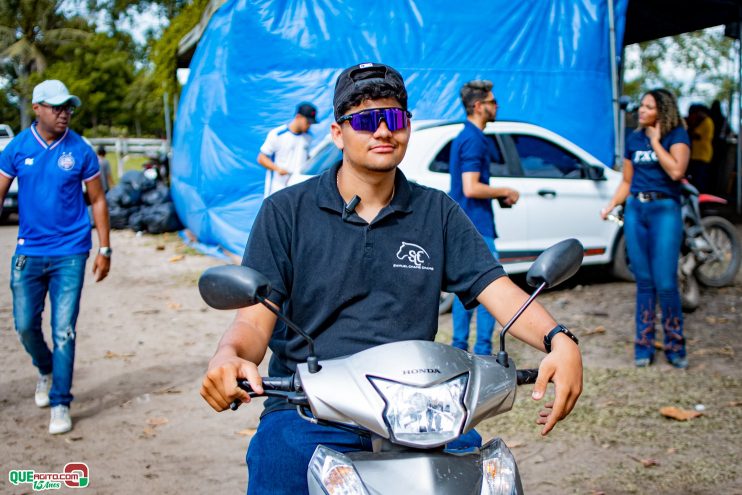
(654, 232)
(30, 280)
(485, 321)
(279, 452)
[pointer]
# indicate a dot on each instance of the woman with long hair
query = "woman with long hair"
(655, 160)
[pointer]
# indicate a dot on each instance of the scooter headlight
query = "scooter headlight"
(424, 416)
(499, 474)
(335, 472)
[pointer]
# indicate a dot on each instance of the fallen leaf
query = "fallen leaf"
(72, 439)
(113, 355)
(178, 257)
(679, 414)
(148, 432)
(174, 305)
(648, 462)
(157, 421)
(596, 330)
(247, 432)
(160, 247)
(726, 351)
(515, 444)
(734, 403)
(713, 320)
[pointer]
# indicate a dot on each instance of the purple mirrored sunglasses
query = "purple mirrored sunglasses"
(369, 120)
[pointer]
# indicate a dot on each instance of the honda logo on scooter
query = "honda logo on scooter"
(421, 370)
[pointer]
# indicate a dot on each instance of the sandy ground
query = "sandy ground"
(145, 336)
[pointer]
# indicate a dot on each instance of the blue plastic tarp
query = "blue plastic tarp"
(549, 61)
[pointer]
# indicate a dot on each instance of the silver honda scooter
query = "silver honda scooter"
(411, 398)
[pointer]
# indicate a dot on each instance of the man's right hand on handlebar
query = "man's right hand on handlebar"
(219, 387)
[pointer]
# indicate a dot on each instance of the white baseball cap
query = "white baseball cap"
(53, 92)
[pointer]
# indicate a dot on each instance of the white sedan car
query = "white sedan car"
(562, 189)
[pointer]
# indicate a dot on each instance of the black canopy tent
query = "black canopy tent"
(652, 19)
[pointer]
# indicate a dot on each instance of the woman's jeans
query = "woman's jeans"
(485, 321)
(62, 277)
(654, 232)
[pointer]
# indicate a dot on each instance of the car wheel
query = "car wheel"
(620, 267)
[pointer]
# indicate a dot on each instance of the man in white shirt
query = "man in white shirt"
(286, 148)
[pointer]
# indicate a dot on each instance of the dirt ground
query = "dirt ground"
(144, 339)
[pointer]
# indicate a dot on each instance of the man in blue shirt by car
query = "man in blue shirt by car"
(471, 154)
(51, 162)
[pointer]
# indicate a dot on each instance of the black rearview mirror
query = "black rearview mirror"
(556, 264)
(233, 287)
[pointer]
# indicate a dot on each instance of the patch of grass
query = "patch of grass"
(619, 410)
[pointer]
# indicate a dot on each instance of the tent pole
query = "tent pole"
(739, 113)
(617, 152)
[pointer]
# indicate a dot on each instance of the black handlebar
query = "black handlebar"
(526, 376)
(286, 387)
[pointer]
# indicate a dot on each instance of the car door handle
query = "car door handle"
(547, 193)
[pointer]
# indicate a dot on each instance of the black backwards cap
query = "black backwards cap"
(352, 80)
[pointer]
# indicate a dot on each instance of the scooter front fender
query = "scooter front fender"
(410, 472)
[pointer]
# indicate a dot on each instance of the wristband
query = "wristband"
(558, 329)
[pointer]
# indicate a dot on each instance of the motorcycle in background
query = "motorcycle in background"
(411, 398)
(710, 253)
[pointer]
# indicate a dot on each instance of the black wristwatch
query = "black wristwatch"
(558, 329)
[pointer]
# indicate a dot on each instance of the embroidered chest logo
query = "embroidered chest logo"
(415, 256)
(28, 161)
(66, 161)
(646, 156)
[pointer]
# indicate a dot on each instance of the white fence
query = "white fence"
(126, 148)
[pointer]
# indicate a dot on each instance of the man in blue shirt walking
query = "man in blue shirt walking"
(471, 154)
(51, 162)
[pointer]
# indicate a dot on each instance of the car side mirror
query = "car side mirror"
(595, 172)
(233, 287)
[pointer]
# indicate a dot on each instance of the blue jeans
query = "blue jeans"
(62, 277)
(279, 452)
(654, 232)
(485, 321)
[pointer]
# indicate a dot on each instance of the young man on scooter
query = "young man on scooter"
(357, 257)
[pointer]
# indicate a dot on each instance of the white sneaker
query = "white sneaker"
(60, 421)
(42, 390)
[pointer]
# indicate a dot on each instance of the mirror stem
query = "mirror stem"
(312, 361)
(502, 356)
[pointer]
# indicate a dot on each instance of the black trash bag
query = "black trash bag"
(123, 195)
(137, 181)
(119, 217)
(162, 218)
(156, 196)
(138, 219)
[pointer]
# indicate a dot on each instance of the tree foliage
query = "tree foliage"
(698, 64)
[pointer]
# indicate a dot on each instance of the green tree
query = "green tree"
(98, 69)
(30, 31)
(705, 57)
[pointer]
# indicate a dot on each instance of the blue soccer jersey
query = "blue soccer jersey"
(53, 216)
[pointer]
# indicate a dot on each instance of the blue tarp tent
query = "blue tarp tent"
(549, 60)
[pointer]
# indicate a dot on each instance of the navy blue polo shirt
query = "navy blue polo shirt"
(352, 285)
(53, 219)
(649, 176)
(473, 151)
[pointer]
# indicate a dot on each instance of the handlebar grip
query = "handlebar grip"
(526, 376)
(279, 383)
